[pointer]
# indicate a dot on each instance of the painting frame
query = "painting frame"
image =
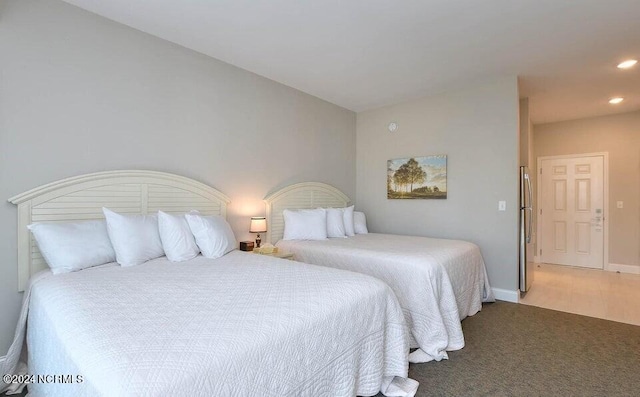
(420, 177)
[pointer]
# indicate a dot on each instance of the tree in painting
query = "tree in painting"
(400, 178)
(415, 173)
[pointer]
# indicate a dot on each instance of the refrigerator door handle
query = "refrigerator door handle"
(530, 224)
(530, 204)
(530, 208)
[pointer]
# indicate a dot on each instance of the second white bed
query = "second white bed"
(438, 282)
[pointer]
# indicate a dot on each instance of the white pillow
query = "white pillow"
(335, 222)
(348, 221)
(178, 242)
(135, 238)
(305, 224)
(72, 246)
(213, 235)
(360, 223)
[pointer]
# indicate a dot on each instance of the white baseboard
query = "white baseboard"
(617, 267)
(506, 294)
(536, 259)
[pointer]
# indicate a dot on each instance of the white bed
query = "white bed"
(438, 282)
(242, 324)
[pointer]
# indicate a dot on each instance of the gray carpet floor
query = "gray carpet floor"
(519, 350)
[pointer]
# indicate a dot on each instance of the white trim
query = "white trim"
(506, 294)
(82, 198)
(618, 267)
(605, 156)
(536, 259)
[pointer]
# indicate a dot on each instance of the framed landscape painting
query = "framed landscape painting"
(417, 178)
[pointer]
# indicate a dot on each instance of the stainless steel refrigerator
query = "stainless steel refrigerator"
(526, 227)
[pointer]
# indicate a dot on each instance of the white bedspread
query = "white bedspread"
(438, 282)
(242, 324)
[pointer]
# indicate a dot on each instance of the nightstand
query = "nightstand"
(281, 255)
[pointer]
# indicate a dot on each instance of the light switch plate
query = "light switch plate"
(620, 204)
(502, 205)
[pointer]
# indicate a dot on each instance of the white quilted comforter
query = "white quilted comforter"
(438, 282)
(243, 324)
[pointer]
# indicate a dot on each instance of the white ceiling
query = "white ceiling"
(363, 54)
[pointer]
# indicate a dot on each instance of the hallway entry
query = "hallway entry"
(595, 293)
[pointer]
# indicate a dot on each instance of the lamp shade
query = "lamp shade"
(258, 224)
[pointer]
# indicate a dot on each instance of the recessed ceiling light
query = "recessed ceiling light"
(616, 100)
(627, 64)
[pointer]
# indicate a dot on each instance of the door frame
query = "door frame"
(605, 156)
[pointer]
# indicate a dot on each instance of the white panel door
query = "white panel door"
(572, 211)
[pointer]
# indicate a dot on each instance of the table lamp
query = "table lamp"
(258, 225)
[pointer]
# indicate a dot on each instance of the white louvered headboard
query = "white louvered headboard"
(299, 196)
(82, 198)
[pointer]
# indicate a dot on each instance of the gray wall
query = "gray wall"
(81, 94)
(477, 128)
(619, 135)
